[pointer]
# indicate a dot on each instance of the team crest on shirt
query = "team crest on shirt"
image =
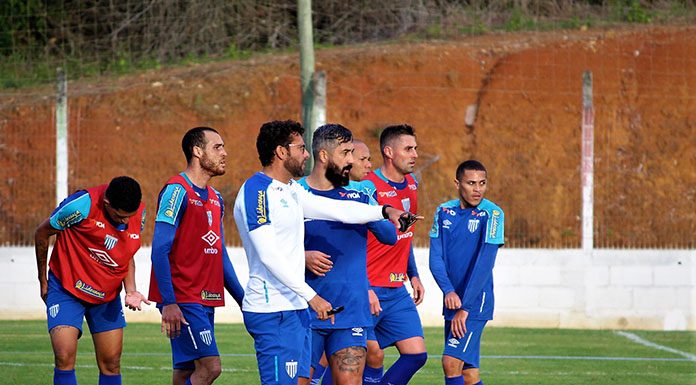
(473, 225)
(206, 337)
(53, 310)
(110, 241)
(102, 257)
(453, 342)
(406, 202)
(291, 368)
(210, 217)
(210, 237)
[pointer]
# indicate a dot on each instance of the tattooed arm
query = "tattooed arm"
(43, 233)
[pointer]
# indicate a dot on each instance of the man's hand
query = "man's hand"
(401, 219)
(375, 307)
(172, 318)
(134, 300)
(459, 323)
(418, 290)
(318, 262)
(321, 306)
(452, 301)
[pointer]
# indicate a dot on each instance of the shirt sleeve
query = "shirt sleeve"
(411, 268)
(437, 257)
(318, 207)
(384, 231)
(72, 210)
(270, 253)
(480, 275)
(231, 281)
(170, 210)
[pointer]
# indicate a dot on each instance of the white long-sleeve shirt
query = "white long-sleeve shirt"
(270, 219)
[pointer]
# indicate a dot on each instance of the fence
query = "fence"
(526, 89)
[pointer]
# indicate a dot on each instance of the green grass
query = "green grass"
(510, 356)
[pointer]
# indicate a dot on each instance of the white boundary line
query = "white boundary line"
(639, 340)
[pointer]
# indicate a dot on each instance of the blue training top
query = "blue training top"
(463, 247)
(346, 283)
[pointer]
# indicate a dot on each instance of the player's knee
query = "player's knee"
(210, 371)
(110, 365)
(452, 367)
(471, 376)
(375, 357)
(64, 359)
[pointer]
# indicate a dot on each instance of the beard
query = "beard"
(212, 168)
(337, 176)
(294, 167)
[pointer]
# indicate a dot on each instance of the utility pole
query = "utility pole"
(61, 137)
(304, 21)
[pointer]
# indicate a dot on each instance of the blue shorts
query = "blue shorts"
(197, 339)
(283, 343)
(467, 348)
(333, 340)
(63, 308)
(398, 320)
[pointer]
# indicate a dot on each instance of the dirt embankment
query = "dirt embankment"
(528, 89)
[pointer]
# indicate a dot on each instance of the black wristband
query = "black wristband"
(384, 211)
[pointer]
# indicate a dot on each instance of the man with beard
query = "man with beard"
(269, 212)
(190, 265)
(345, 340)
(396, 321)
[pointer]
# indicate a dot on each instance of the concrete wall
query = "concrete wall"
(610, 289)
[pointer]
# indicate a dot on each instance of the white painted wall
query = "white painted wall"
(609, 289)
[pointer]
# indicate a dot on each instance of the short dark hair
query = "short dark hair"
(124, 194)
(194, 137)
(392, 132)
(273, 134)
(470, 164)
(330, 136)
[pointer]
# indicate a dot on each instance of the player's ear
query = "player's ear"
(456, 183)
(281, 152)
(388, 152)
(323, 156)
(197, 152)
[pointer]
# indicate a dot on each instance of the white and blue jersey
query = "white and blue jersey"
(346, 283)
(269, 215)
(463, 247)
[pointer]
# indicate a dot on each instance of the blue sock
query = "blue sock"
(454, 380)
(316, 376)
(106, 379)
(64, 377)
(188, 381)
(372, 375)
(404, 368)
(328, 378)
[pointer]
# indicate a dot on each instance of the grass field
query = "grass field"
(510, 356)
